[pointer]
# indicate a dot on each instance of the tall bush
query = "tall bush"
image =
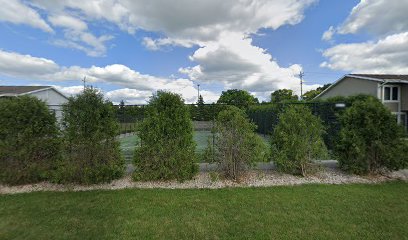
(167, 148)
(92, 153)
(29, 141)
(370, 139)
(297, 140)
(237, 146)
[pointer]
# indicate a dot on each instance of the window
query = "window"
(387, 93)
(395, 93)
(391, 93)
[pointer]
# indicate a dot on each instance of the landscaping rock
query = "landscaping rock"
(329, 174)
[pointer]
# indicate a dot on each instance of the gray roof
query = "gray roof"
(382, 76)
(17, 90)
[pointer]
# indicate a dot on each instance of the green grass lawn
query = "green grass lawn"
(297, 212)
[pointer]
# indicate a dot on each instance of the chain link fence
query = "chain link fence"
(265, 116)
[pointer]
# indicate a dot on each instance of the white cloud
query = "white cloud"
(69, 91)
(77, 35)
(201, 20)
(139, 85)
(387, 20)
(84, 41)
(18, 13)
(377, 16)
(184, 22)
(236, 63)
(157, 44)
(221, 29)
(328, 35)
(14, 64)
(68, 22)
(388, 55)
(130, 96)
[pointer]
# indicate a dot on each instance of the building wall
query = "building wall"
(404, 97)
(392, 106)
(53, 99)
(350, 87)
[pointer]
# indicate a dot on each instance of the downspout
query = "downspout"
(381, 87)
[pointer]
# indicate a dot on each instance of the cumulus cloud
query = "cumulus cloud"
(183, 22)
(387, 21)
(18, 13)
(221, 29)
(202, 20)
(388, 55)
(236, 63)
(69, 91)
(14, 64)
(129, 96)
(377, 16)
(138, 85)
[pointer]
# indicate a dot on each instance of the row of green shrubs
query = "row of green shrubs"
(84, 149)
(369, 140)
(81, 149)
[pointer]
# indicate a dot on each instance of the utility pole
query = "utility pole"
(301, 74)
(84, 80)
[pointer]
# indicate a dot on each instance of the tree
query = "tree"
(121, 111)
(310, 95)
(29, 140)
(167, 148)
(201, 111)
(283, 95)
(236, 145)
(92, 152)
(370, 138)
(297, 140)
(239, 98)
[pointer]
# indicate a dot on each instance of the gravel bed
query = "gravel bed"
(211, 180)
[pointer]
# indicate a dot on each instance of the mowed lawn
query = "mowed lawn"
(297, 212)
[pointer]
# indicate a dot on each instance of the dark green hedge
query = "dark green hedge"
(167, 148)
(370, 139)
(91, 151)
(29, 140)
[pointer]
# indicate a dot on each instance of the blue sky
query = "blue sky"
(130, 49)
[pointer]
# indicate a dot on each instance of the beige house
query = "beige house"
(51, 96)
(392, 90)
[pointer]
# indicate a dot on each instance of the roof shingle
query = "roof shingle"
(16, 90)
(383, 76)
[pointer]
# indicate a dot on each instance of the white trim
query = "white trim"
(365, 78)
(34, 91)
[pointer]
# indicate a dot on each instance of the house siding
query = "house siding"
(350, 87)
(392, 106)
(404, 97)
(53, 99)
